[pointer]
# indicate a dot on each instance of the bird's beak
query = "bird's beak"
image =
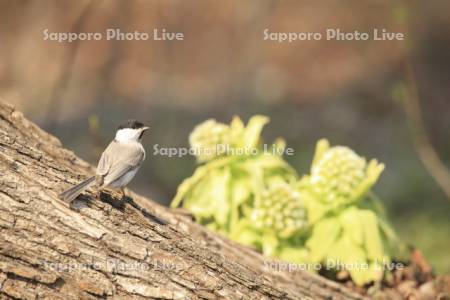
(145, 128)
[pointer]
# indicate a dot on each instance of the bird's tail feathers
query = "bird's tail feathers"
(70, 194)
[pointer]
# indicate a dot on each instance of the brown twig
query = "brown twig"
(428, 155)
(411, 103)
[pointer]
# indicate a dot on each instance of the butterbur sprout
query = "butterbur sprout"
(208, 138)
(280, 209)
(337, 175)
(257, 198)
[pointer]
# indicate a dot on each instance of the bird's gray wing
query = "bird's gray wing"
(121, 159)
(104, 163)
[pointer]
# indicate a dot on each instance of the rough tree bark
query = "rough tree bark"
(112, 249)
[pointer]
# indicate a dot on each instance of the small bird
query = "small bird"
(119, 162)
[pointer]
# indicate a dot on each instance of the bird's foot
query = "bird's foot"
(99, 193)
(124, 193)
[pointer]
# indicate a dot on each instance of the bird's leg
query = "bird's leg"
(99, 181)
(124, 194)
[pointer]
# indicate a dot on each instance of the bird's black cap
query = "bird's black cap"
(133, 124)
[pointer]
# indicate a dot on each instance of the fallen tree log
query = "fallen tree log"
(108, 248)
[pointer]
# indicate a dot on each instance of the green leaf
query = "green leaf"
(351, 223)
(323, 236)
(199, 201)
(253, 130)
(274, 163)
(209, 198)
(372, 239)
(246, 234)
(373, 172)
(321, 147)
(189, 183)
(294, 255)
(240, 188)
(269, 244)
(316, 209)
(241, 192)
(252, 166)
(237, 124)
(279, 145)
(346, 254)
(220, 194)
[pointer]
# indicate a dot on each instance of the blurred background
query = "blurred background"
(378, 97)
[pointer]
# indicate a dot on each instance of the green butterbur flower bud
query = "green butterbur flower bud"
(338, 174)
(281, 209)
(209, 140)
